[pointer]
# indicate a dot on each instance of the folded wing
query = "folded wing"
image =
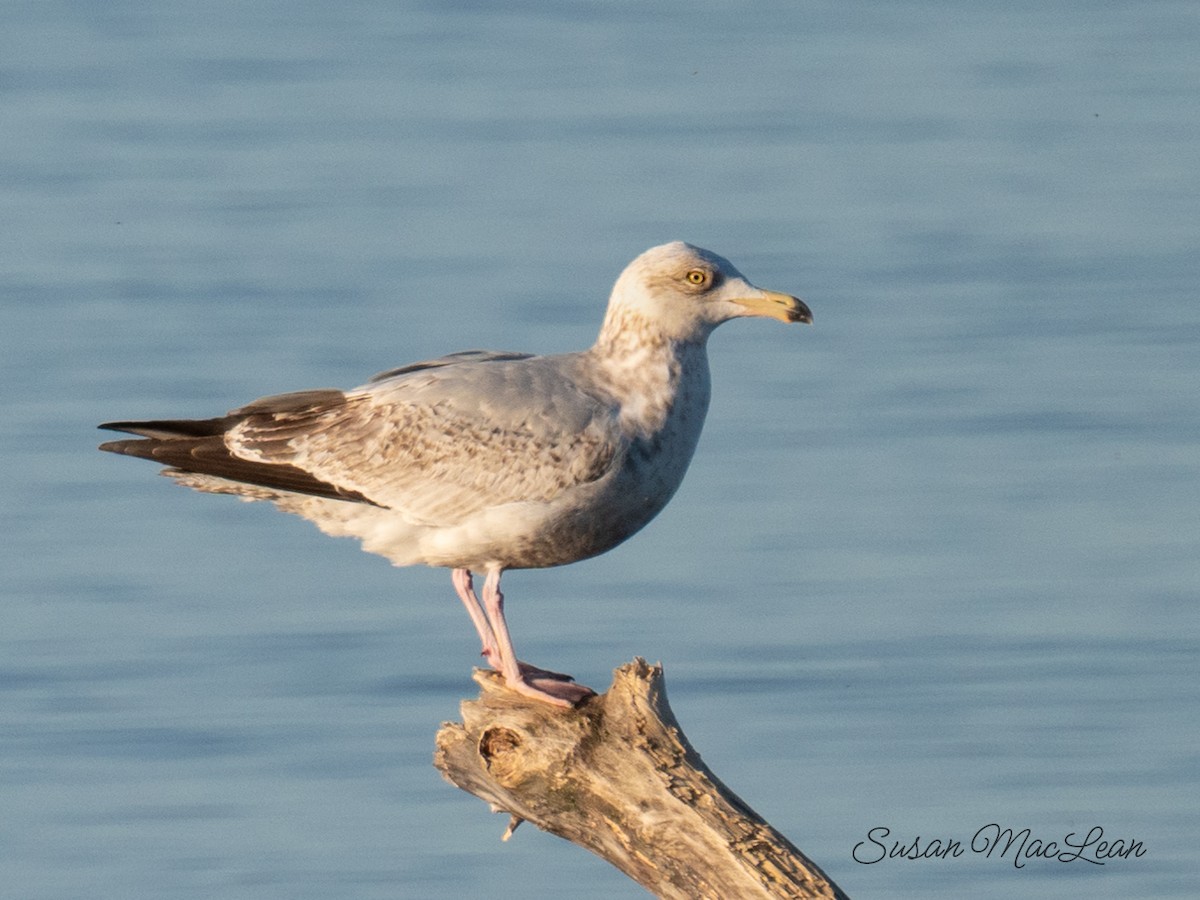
(437, 441)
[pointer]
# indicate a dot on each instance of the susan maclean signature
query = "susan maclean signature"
(1018, 846)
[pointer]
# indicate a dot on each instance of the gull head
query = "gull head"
(684, 292)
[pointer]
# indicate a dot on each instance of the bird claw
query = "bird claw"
(566, 694)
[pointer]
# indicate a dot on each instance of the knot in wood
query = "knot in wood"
(499, 748)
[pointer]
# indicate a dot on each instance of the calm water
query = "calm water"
(934, 567)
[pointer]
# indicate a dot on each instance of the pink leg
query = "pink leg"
(550, 687)
(461, 579)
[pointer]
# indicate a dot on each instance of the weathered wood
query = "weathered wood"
(618, 777)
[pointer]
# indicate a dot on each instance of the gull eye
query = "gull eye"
(698, 277)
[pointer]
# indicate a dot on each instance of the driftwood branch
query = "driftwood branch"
(618, 777)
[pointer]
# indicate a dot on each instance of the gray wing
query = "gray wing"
(441, 440)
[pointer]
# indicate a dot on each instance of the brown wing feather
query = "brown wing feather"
(198, 445)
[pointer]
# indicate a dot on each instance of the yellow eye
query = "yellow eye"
(697, 276)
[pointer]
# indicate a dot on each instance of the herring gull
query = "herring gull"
(485, 461)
